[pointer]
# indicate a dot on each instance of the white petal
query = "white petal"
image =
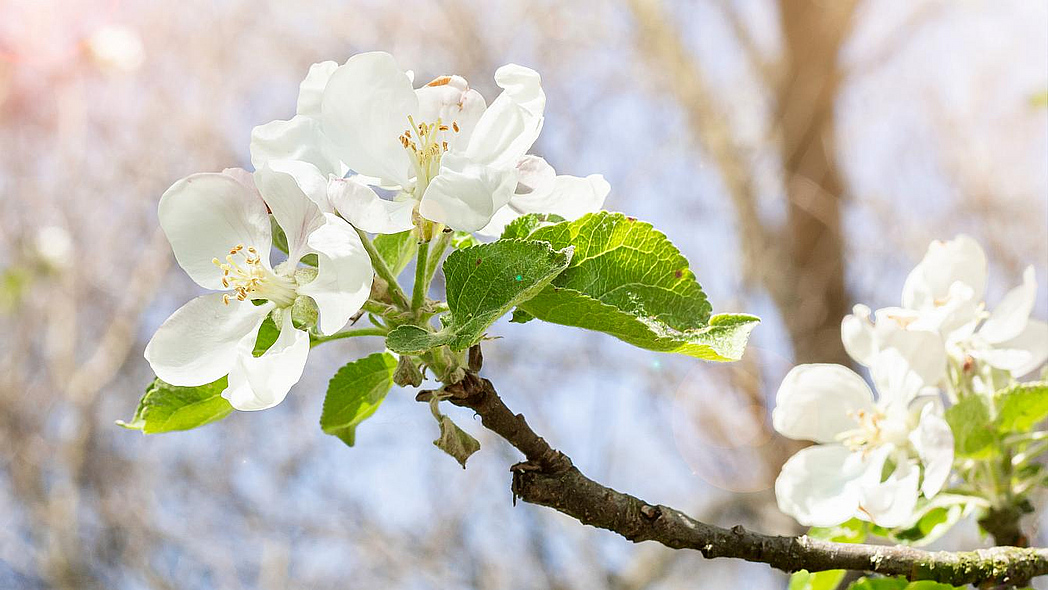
(509, 127)
(198, 343)
(344, 281)
(301, 139)
(857, 334)
(258, 383)
(933, 441)
(367, 211)
(204, 215)
(819, 486)
(450, 99)
(923, 351)
(365, 111)
(570, 197)
(534, 176)
(1009, 318)
(243, 177)
(499, 221)
(814, 401)
(889, 503)
(1033, 340)
(897, 384)
(958, 260)
(1020, 355)
(465, 195)
(311, 90)
(296, 214)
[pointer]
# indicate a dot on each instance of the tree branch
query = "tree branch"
(549, 478)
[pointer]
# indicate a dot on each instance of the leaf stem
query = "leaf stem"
(440, 243)
(348, 334)
(418, 294)
(383, 271)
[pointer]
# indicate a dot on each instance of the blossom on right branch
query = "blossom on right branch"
(943, 320)
(871, 453)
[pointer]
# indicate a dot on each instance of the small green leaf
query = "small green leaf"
(852, 531)
(267, 335)
(483, 283)
(626, 279)
(973, 431)
(279, 237)
(897, 584)
(520, 316)
(396, 250)
(456, 442)
(827, 580)
(166, 407)
(524, 225)
(355, 393)
(1021, 406)
(933, 524)
(464, 239)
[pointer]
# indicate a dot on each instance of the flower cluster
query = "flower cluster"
(362, 132)
(876, 457)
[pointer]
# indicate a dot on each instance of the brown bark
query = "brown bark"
(547, 477)
(813, 33)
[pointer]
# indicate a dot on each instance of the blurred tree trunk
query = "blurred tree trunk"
(815, 298)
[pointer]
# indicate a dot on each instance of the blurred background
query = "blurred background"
(801, 153)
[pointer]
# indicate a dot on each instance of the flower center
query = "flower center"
(247, 278)
(426, 143)
(872, 429)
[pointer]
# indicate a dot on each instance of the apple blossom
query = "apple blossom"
(445, 154)
(219, 230)
(943, 316)
(870, 453)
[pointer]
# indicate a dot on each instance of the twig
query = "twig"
(549, 478)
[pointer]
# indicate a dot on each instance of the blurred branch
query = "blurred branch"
(547, 477)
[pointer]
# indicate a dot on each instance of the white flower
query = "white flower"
(444, 153)
(943, 296)
(219, 230)
(899, 329)
(870, 454)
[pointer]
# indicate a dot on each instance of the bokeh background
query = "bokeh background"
(801, 153)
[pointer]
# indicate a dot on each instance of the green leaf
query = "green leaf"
(520, 316)
(524, 225)
(355, 393)
(483, 283)
(279, 237)
(933, 524)
(852, 531)
(166, 407)
(464, 239)
(267, 335)
(456, 442)
(973, 431)
(827, 580)
(396, 250)
(897, 584)
(626, 279)
(1021, 406)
